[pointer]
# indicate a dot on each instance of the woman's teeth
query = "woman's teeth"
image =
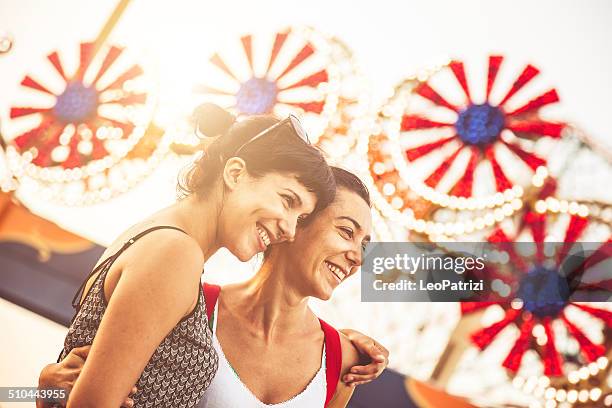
(264, 235)
(336, 271)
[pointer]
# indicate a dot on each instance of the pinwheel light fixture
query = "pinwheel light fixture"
(73, 131)
(296, 70)
(427, 146)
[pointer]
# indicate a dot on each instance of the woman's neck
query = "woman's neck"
(199, 218)
(272, 306)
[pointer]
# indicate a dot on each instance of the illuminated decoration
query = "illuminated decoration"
(297, 70)
(7, 181)
(73, 131)
(478, 130)
(264, 92)
(6, 43)
(587, 386)
(144, 158)
(427, 152)
(573, 161)
(74, 138)
(85, 135)
(543, 218)
(534, 318)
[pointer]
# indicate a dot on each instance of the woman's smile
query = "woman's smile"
(263, 237)
(338, 272)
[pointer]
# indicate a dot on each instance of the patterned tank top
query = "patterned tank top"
(183, 364)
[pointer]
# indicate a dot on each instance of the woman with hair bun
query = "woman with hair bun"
(142, 308)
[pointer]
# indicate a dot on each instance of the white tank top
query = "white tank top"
(227, 390)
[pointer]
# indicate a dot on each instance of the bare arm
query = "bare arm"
(64, 374)
(372, 353)
(342, 396)
(157, 287)
(350, 357)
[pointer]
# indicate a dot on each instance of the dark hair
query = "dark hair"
(346, 179)
(280, 151)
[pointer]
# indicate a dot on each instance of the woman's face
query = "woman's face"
(327, 250)
(258, 212)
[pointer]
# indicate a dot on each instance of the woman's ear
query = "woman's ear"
(234, 172)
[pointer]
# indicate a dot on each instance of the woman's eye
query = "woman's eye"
(348, 232)
(302, 219)
(288, 200)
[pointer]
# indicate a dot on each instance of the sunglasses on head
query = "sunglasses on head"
(292, 120)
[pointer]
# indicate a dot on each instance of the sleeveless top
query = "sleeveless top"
(227, 390)
(182, 366)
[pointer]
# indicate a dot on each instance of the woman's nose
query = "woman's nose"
(287, 229)
(354, 256)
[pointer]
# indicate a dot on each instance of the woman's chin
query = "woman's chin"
(324, 293)
(244, 253)
(247, 255)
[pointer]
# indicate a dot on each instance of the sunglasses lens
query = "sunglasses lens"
(299, 130)
(295, 124)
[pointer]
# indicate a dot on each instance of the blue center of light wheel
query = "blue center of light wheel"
(77, 103)
(544, 291)
(480, 124)
(256, 96)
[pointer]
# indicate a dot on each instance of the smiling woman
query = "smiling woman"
(330, 259)
(142, 310)
(283, 171)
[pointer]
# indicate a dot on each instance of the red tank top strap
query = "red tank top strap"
(211, 294)
(333, 359)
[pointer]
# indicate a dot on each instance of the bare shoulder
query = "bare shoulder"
(350, 355)
(165, 264)
(166, 248)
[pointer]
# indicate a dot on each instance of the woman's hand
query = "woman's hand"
(63, 375)
(373, 351)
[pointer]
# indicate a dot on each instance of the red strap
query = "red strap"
(333, 359)
(211, 294)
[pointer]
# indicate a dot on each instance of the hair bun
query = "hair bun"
(212, 120)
